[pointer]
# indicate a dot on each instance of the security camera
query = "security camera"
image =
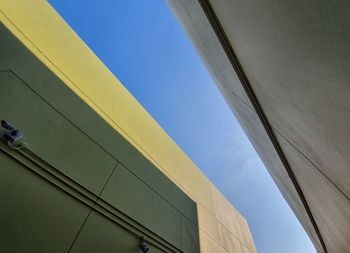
(143, 246)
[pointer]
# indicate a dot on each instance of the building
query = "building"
(93, 172)
(283, 67)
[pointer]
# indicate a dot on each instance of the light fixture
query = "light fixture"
(143, 246)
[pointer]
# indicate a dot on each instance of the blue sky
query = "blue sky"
(141, 42)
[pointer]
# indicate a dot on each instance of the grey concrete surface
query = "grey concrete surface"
(331, 209)
(296, 58)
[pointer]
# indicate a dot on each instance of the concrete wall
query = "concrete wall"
(52, 41)
(283, 67)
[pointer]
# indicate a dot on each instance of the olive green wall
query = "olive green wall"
(115, 195)
(38, 27)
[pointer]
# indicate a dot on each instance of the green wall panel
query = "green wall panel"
(162, 185)
(130, 195)
(190, 237)
(16, 57)
(69, 135)
(35, 216)
(52, 137)
(102, 235)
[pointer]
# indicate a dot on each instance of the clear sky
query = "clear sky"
(141, 42)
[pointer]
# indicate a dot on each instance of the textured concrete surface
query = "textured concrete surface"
(295, 55)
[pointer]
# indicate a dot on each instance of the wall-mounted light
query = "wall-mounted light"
(12, 136)
(143, 245)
